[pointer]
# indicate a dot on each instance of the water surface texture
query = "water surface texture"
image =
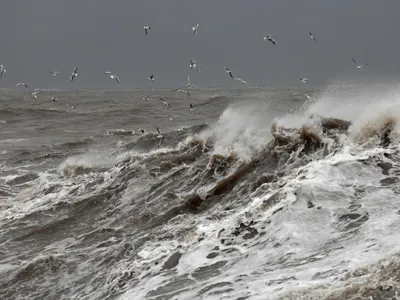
(237, 199)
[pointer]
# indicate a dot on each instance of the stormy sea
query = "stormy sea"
(257, 193)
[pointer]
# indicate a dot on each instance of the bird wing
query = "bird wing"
(354, 61)
(241, 80)
(117, 78)
(75, 70)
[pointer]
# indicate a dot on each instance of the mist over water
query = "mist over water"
(236, 200)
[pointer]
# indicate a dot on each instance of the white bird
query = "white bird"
(241, 80)
(189, 85)
(270, 39)
(191, 107)
(34, 94)
(194, 29)
(141, 130)
(113, 76)
(183, 91)
(290, 112)
(21, 83)
(229, 72)
(54, 99)
(165, 102)
(311, 36)
(71, 106)
(2, 70)
(146, 98)
(303, 80)
(74, 74)
(146, 29)
(151, 77)
(54, 73)
(359, 66)
(193, 64)
(159, 133)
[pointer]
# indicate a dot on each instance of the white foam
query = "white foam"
(297, 233)
(243, 130)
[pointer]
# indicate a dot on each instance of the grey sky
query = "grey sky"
(102, 35)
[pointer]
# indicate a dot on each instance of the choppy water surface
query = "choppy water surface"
(235, 200)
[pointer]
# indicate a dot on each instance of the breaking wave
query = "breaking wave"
(251, 207)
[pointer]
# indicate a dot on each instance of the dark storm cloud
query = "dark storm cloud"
(97, 36)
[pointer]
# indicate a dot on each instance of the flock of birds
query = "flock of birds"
(193, 66)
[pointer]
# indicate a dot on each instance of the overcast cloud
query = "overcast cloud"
(102, 35)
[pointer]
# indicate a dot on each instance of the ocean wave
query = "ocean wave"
(293, 207)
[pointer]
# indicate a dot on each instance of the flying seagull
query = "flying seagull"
(151, 77)
(54, 73)
(146, 98)
(71, 106)
(2, 70)
(191, 107)
(146, 29)
(359, 66)
(112, 76)
(241, 80)
(165, 102)
(229, 72)
(183, 91)
(54, 99)
(74, 74)
(189, 85)
(304, 80)
(311, 36)
(141, 130)
(160, 135)
(270, 39)
(194, 29)
(193, 64)
(21, 83)
(34, 94)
